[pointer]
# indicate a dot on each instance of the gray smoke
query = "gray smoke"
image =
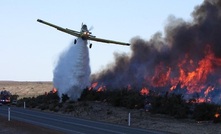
(156, 63)
(72, 72)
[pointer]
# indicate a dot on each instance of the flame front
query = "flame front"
(186, 61)
(192, 77)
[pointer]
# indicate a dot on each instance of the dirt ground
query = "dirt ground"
(103, 112)
(140, 118)
(17, 127)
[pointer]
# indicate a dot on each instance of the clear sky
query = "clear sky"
(29, 50)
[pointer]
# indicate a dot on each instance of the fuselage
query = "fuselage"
(85, 32)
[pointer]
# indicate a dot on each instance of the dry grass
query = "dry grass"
(26, 89)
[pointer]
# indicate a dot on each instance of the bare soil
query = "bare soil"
(103, 112)
(17, 127)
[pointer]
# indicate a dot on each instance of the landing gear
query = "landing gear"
(75, 41)
(90, 45)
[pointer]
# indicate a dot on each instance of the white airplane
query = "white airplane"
(85, 34)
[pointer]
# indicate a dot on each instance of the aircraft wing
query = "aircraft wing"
(108, 41)
(66, 30)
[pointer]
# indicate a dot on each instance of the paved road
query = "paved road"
(69, 125)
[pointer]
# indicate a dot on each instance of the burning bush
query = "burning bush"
(93, 95)
(170, 104)
(186, 61)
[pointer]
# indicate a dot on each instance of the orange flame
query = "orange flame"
(189, 74)
(93, 85)
(217, 115)
(194, 81)
(160, 78)
(144, 91)
(54, 90)
(101, 88)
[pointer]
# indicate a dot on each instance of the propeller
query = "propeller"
(91, 28)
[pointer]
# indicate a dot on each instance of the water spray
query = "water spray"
(72, 72)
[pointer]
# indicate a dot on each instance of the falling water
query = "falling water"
(72, 72)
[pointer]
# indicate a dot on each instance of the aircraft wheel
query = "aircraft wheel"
(75, 41)
(90, 46)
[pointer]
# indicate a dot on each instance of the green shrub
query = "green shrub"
(43, 106)
(69, 108)
(126, 98)
(14, 97)
(170, 104)
(123, 98)
(204, 111)
(41, 101)
(64, 98)
(93, 95)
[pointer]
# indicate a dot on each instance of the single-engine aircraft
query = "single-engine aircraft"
(85, 34)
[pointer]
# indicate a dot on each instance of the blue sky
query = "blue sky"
(29, 50)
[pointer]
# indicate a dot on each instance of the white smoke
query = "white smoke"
(72, 72)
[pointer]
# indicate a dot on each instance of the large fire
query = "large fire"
(191, 77)
(187, 61)
(194, 78)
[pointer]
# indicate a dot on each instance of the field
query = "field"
(26, 89)
(105, 112)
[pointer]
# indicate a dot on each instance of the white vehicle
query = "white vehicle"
(14, 102)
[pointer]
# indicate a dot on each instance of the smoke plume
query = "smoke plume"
(187, 59)
(71, 75)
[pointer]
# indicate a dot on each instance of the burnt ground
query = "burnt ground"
(101, 111)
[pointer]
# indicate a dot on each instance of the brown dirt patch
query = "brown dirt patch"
(17, 127)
